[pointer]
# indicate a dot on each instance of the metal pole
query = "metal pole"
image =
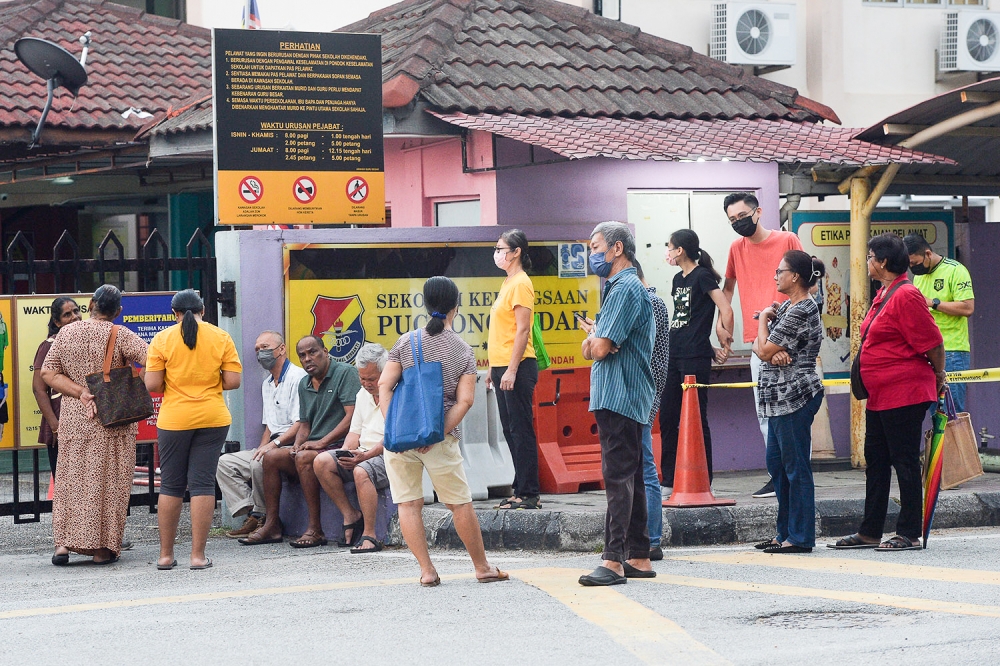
(860, 291)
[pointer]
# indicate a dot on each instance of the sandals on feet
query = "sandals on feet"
(505, 504)
(900, 542)
(356, 528)
(495, 578)
(853, 541)
(308, 540)
(376, 546)
(526, 503)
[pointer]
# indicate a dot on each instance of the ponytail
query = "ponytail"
(440, 298)
(189, 302)
(705, 261)
(189, 329)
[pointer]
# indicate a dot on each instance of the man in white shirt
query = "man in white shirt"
(360, 460)
(241, 475)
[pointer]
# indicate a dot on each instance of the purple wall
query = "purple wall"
(980, 257)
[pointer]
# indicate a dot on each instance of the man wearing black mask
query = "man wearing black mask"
(752, 260)
(241, 475)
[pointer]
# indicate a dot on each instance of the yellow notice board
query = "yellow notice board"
(348, 313)
(7, 410)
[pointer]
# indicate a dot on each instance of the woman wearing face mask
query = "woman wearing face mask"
(790, 393)
(696, 295)
(513, 370)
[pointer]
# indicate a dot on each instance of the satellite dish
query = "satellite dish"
(54, 64)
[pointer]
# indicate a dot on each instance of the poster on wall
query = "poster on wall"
(827, 235)
(357, 294)
(8, 416)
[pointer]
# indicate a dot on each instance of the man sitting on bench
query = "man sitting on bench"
(326, 405)
(361, 458)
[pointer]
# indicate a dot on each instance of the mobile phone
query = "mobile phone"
(580, 317)
(343, 453)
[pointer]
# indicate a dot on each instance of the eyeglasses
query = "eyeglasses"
(740, 218)
(870, 257)
(779, 271)
(501, 249)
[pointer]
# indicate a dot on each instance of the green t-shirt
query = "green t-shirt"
(323, 409)
(949, 281)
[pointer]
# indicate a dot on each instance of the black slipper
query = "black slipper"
(602, 576)
(632, 572)
(787, 549)
(356, 528)
(60, 559)
(766, 544)
(378, 545)
(167, 567)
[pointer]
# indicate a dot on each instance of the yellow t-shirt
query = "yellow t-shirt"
(516, 290)
(193, 378)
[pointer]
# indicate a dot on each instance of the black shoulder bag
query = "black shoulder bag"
(857, 386)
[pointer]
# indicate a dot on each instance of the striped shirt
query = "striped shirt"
(623, 382)
(451, 351)
(661, 348)
(784, 389)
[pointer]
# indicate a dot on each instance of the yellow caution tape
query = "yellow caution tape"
(957, 377)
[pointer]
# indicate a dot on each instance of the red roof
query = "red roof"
(738, 140)
(136, 60)
(544, 57)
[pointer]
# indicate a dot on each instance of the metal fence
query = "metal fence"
(153, 270)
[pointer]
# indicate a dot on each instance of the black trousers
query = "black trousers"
(670, 412)
(625, 534)
(892, 441)
(516, 417)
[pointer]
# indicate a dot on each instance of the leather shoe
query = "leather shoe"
(656, 554)
(602, 576)
(779, 549)
(633, 572)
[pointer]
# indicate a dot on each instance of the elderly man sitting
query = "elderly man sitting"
(361, 457)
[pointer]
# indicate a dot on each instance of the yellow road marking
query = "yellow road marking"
(851, 566)
(648, 635)
(874, 598)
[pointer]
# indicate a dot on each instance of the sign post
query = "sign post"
(298, 127)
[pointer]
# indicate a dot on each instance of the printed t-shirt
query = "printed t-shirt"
(949, 281)
(281, 402)
(694, 312)
(753, 268)
(516, 290)
(447, 348)
(193, 394)
(785, 389)
(367, 421)
(323, 408)
(894, 365)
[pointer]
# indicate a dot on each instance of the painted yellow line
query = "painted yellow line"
(873, 598)
(215, 596)
(851, 566)
(648, 635)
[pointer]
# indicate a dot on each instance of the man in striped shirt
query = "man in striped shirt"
(620, 343)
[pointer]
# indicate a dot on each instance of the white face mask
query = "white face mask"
(672, 260)
(501, 259)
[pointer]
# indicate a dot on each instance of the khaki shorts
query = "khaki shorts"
(443, 464)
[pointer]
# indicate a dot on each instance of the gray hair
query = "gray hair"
(372, 352)
(278, 336)
(617, 232)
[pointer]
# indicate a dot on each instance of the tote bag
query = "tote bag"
(416, 411)
(120, 393)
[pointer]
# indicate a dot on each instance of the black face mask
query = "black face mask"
(920, 269)
(745, 226)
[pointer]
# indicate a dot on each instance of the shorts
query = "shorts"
(443, 463)
(373, 467)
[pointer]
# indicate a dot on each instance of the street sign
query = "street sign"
(298, 127)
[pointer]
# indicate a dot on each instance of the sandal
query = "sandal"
(900, 542)
(495, 578)
(377, 546)
(308, 540)
(853, 541)
(356, 527)
(505, 504)
(527, 503)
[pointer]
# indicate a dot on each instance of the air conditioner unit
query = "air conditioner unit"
(753, 33)
(970, 42)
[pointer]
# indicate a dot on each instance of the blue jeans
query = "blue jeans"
(954, 361)
(654, 500)
(789, 441)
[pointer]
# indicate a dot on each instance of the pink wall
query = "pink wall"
(418, 176)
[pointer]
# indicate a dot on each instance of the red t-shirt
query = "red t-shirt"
(753, 266)
(894, 365)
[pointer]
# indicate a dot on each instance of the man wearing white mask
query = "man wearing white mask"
(241, 475)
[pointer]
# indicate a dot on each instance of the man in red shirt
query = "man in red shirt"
(753, 259)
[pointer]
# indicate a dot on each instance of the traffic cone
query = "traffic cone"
(691, 484)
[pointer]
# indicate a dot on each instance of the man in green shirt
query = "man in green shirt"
(947, 287)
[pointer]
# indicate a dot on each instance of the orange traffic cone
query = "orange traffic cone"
(691, 485)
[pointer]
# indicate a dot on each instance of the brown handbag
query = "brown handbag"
(120, 393)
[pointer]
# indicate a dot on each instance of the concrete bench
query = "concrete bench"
(295, 517)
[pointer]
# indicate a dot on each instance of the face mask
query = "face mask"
(266, 359)
(745, 226)
(671, 259)
(500, 258)
(599, 265)
(919, 269)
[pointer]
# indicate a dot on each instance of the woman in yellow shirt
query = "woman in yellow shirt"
(513, 370)
(191, 363)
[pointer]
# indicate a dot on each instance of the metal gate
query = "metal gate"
(153, 271)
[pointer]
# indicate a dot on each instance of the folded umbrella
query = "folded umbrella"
(932, 475)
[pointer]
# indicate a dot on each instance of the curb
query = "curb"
(583, 531)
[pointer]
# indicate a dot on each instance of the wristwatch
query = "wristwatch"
(935, 303)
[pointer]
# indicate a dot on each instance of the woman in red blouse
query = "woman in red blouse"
(902, 367)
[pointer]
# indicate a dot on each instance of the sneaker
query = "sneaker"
(766, 491)
(249, 525)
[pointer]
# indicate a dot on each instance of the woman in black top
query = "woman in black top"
(696, 294)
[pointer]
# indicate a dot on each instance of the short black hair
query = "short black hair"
(890, 247)
(317, 338)
(916, 244)
(746, 197)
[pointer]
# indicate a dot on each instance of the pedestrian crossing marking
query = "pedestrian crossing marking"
(645, 633)
(859, 567)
